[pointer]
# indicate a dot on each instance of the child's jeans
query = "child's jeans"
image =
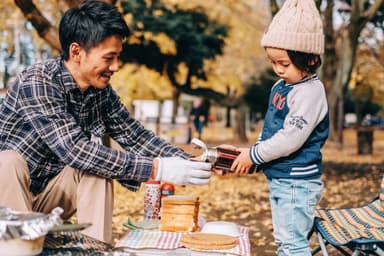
(293, 205)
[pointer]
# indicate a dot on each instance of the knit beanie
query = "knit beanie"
(297, 26)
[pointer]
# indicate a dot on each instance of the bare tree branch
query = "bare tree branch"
(373, 9)
(43, 27)
(39, 22)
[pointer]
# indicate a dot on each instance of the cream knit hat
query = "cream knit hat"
(297, 26)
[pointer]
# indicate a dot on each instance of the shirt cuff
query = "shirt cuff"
(255, 156)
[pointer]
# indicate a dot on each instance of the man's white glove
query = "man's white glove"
(183, 172)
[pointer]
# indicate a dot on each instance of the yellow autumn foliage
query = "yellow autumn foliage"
(242, 58)
(138, 82)
(367, 77)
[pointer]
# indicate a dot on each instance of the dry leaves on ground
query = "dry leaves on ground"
(349, 180)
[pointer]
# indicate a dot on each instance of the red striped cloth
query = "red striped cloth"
(141, 239)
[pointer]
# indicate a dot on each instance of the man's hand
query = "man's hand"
(182, 172)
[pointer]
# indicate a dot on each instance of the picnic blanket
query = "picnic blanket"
(141, 239)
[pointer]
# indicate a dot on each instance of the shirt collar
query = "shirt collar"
(68, 81)
(66, 77)
(305, 79)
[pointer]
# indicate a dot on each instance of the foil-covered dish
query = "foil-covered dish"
(27, 225)
(24, 233)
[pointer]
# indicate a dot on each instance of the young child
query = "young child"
(295, 127)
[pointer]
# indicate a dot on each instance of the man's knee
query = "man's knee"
(12, 166)
(10, 157)
(14, 181)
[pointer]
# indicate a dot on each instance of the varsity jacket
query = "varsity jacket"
(295, 128)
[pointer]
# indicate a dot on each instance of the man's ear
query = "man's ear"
(74, 52)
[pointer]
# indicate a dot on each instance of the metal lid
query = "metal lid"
(27, 225)
(209, 154)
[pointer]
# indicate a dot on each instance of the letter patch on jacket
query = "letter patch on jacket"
(278, 101)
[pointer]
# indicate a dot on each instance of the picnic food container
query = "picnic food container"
(152, 200)
(221, 158)
(179, 214)
(221, 227)
(23, 233)
(167, 189)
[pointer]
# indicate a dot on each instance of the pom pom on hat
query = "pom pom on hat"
(297, 26)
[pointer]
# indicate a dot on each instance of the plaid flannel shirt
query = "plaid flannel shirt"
(49, 121)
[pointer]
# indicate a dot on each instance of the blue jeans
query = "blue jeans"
(293, 205)
(199, 126)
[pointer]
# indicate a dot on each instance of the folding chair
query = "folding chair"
(352, 231)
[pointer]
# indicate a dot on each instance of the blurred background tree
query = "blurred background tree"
(343, 37)
(212, 49)
(181, 43)
(347, 23)
(257, 94)
(175, 43)
(366, 90)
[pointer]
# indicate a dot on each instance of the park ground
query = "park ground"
(349, 180)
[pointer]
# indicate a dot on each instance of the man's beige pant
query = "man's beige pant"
(90, 196)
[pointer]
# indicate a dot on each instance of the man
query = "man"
(50, 115)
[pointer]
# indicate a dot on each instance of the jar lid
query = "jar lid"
(152, 181)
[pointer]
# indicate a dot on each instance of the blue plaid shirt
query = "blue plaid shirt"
(49, 121)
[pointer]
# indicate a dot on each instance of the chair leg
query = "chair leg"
(356, 252)
(344, 252)
(322, 244)
(379, 251)
(315, 251)
(368, 249)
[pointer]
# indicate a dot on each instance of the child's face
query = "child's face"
(283, 66)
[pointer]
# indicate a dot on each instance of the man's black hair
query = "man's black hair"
(89, 24)
(307, 62)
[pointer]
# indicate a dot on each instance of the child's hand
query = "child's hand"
(242, 163)
(218, 171)
(227, 146)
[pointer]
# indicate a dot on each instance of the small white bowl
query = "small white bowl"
(221, 227)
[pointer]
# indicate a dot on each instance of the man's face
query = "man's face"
(96, 67)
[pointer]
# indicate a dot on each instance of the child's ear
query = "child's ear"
(312, 61)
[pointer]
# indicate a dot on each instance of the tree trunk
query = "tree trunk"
(341, 80)
(240, 131)
(40, 23)
(364, 141)
(228, 117)
(176, 97)
(340, 120)
(43, 27)
(337, 65)
(329, 65)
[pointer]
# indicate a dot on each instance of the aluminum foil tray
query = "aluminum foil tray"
(27, 225)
